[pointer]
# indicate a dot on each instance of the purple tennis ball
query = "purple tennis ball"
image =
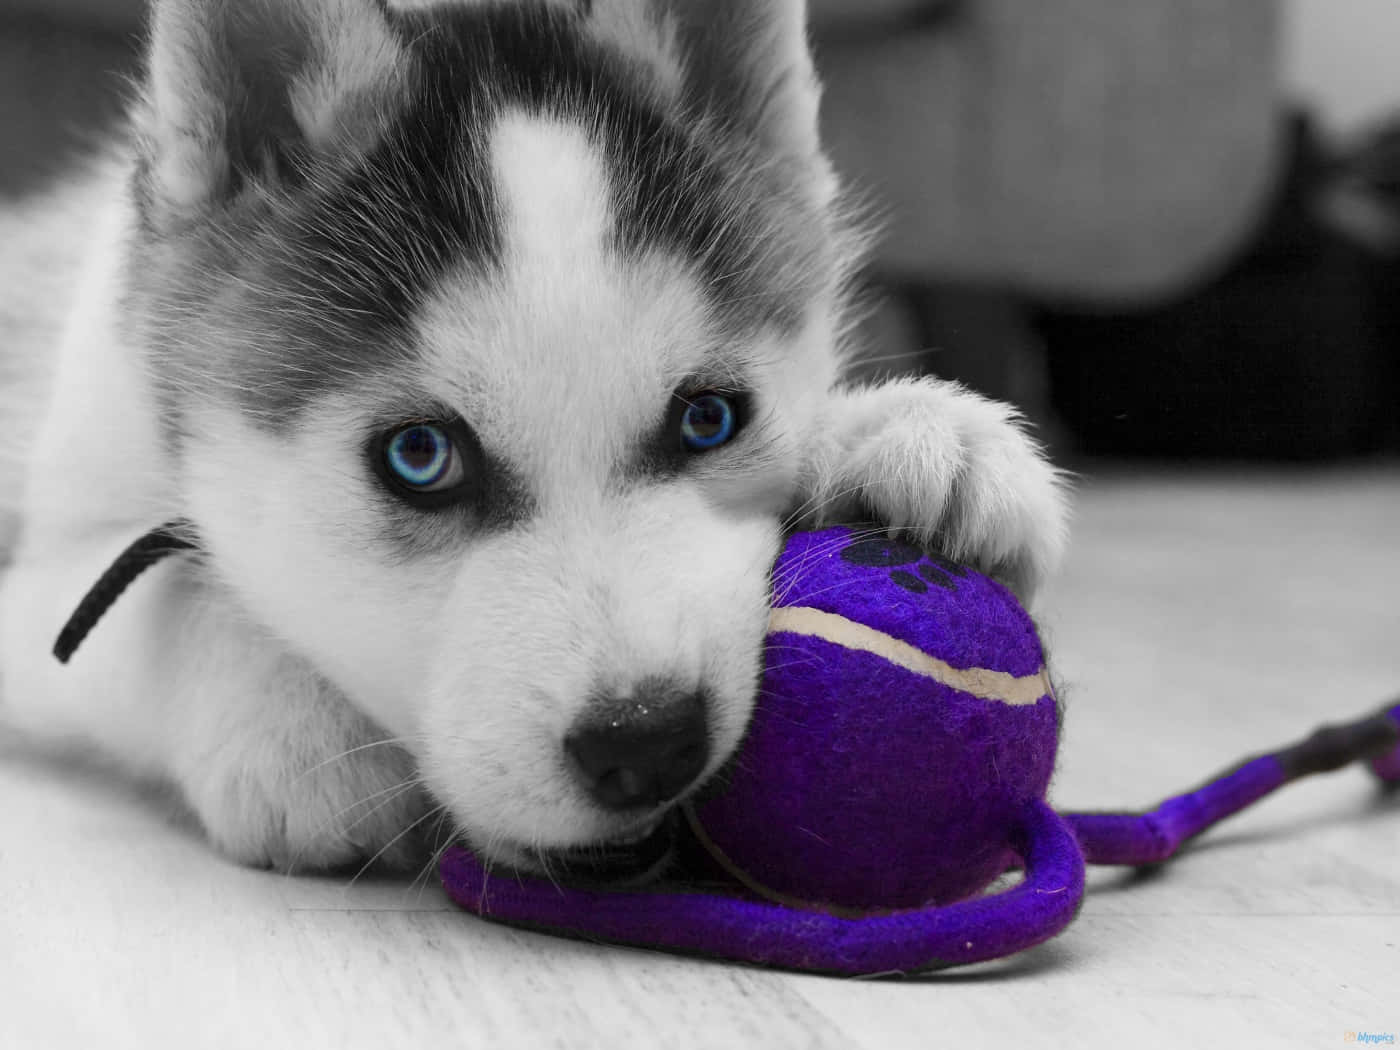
(906, 719)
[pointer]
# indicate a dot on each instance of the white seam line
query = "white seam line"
(979, 681)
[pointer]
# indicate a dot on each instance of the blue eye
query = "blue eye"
(709, 421)
(423, 458)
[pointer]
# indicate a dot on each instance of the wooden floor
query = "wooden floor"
(1201, 617)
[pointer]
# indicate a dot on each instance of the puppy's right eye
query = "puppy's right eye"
(423, 458)
(706, 420)
(709, 421)
(424, 463)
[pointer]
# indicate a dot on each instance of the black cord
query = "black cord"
(155, 546)
(1333, 746)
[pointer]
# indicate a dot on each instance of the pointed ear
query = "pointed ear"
(239, 91)
(748, 61)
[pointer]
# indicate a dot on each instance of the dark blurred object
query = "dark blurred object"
(1290, 354)
(62, 90)
(111, 15)
(867, 17)
(1362, 199)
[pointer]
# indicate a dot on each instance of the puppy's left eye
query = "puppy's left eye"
(422, 459)
(708, 421)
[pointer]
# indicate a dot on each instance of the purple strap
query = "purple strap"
(753, 931)
(1150, 838)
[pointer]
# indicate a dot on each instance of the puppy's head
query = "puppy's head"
(491, 336)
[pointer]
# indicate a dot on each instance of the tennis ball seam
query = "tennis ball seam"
(981, 682)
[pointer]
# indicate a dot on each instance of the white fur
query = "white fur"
(186, 116)
(632, 29)
(950, 468)
(297, 682)
(359, 57)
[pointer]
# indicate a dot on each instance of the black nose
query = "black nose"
(641, 751)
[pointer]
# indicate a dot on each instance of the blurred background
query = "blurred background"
(1167, 228)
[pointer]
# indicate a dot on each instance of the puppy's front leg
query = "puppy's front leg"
(176, 684)
(948, 468)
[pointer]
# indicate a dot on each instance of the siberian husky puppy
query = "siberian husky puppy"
(485, 351)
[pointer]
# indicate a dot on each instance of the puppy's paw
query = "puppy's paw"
(947, 468)
(307, 785)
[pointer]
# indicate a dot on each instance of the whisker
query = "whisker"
(785, 583)
(398, 741)
(439, 850)
(394, 791)
(389, 845)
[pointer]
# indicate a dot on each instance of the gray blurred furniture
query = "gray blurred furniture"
(1084, 148)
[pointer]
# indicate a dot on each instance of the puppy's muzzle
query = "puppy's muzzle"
(643, 751)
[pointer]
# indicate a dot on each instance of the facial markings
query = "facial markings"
(555, 194)
(559, 218)
(568, 357)
(560, 252)
(345, 262)
(575, 360)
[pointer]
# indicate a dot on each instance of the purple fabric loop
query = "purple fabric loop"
(1150, 838)
(752, 931)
